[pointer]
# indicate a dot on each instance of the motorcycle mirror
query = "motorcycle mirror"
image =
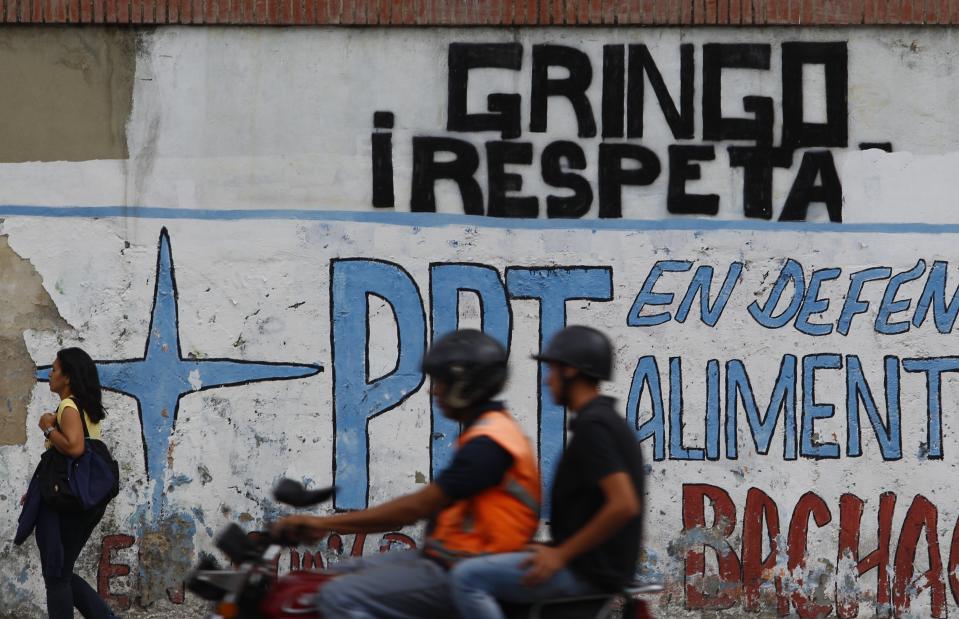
(292, 493)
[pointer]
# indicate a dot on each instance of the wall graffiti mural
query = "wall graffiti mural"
(760, 219)
(159, 379)
(157, 382)
(563, 162)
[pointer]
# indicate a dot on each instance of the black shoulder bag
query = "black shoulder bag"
(78, 484)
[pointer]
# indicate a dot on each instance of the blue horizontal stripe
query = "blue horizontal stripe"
(436, 220)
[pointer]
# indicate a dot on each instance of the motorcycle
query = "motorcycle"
(250, 589)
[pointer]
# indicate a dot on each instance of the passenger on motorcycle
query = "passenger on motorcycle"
(596, 519)
(486, 501)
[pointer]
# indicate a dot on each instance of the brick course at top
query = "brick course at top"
(484, 12)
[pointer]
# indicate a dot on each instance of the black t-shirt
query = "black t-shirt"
(602, 444)
(478, 464)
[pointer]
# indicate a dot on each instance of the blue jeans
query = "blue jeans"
(392, 585)
(477, 584)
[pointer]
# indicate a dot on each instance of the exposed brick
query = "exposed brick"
(905, 12)
(595, 12)
(610, 8)
(582, 11)
(647, 11)
(882, 11)
(527, 11)
(786, 10)
(486, 12)
(855, 13)
(780, 12)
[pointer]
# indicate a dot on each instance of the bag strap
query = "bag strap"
(83, 418)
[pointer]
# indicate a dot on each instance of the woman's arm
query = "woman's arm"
(68, 439)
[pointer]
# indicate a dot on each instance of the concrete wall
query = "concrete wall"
(772, 256)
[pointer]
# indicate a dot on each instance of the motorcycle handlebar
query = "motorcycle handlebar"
(294, 494)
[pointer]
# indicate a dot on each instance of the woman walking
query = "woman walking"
(62, 535)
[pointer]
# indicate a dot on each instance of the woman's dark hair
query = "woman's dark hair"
(84, 381)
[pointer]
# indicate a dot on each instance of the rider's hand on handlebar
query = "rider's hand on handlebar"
(302, 529)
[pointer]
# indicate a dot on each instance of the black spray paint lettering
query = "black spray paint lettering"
(625, 71)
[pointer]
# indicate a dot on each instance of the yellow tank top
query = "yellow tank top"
(92, 428)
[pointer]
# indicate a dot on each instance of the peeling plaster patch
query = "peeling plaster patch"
(649, 568)
(18, 600)
(24, 304)
(180, 480)
(73, 94)
(847, 579)
(195, 381)
(166, 556)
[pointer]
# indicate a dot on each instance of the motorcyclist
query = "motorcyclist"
(596, 518)
(486, 501)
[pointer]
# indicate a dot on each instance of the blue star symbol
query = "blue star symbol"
(162, 377)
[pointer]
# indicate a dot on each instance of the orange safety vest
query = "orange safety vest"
(503, 518)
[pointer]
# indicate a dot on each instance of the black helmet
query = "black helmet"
(583, 348)
(470, 363)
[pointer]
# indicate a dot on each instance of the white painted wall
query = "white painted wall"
(261, 119)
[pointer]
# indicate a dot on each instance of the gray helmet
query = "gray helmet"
(471, 364)
(583, 348)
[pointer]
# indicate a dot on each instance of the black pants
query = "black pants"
(69, 590)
